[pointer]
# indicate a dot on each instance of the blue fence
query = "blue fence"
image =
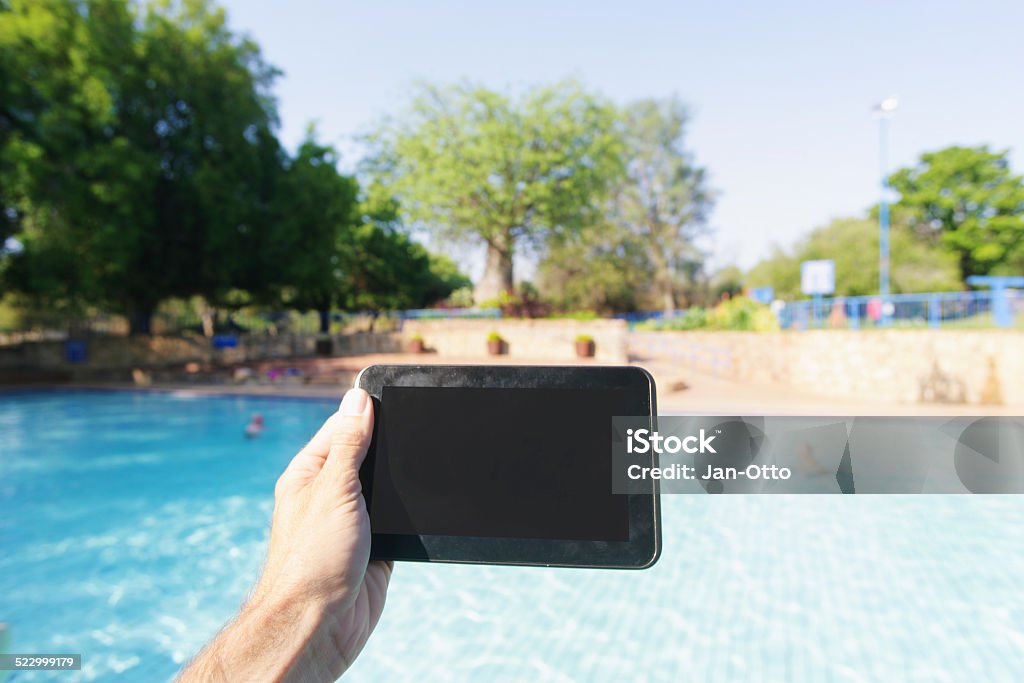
(447, 313)
(982, 308)
(934, 310)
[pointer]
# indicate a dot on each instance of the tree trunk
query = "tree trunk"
(668, 296)
(140, 319)
(497, 278)
(966, 267)
(209, 321)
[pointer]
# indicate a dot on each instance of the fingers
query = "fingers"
(350, 438)
(306, 465)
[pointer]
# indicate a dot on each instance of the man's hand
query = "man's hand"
(319, 597)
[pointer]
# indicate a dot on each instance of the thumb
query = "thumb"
(350, 438)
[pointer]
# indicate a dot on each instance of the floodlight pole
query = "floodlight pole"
(884, 110)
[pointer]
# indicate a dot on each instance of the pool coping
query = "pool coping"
(315, 395)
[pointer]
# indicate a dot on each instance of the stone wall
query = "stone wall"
(119, 353)
(908, 366)
(538, 340)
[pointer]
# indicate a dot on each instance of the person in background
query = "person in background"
(255, 426)
(319, 597)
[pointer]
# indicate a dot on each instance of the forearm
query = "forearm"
(270, 641)
(319, 597)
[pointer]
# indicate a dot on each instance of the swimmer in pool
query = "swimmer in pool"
(319, 597)
(255, 426)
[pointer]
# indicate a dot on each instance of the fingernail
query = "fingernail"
(354, 402)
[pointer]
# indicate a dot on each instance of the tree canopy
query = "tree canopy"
(139, 162)
(853, 244)
(141, 149)
(642, 252)
(664, 199)
(472, 163)
(967, 200)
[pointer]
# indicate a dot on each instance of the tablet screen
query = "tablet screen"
(509, 463)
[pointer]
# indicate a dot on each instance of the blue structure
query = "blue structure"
(931, 309)
(763, 295)
(885, 111)
(225, 341)
(448, 313)
(75, 351)
(1002, 314)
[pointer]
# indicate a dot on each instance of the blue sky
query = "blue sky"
(780, 92)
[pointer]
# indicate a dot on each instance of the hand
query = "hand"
(319, 597)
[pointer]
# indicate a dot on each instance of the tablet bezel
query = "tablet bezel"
(640, 551)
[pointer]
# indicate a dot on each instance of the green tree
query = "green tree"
(966, 199)
(727, 282)
(383, 269)
(664, 198)
(443, 278)
(603, 268)
(472, 163)
(781, 271)
(315, 220)
(138, 154)
(853, 244)
(336, 245)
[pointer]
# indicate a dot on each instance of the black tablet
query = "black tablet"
(505, 465)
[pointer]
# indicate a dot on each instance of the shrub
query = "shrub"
(584, 338)
(743, 314)
(461, 298)
(494, 337)
(525, 304)
(693, 319)
(737, 314)
(576, 315)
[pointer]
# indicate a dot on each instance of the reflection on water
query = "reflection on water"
(133, 525)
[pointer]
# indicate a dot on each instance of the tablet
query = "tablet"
(506, 465)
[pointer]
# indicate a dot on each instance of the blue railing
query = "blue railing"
(932, 310)
(448, 313)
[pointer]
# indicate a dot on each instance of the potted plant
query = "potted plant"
(495, 344)
(585, 346)
(416, 344)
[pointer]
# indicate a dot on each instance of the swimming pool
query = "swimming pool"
(132, 524)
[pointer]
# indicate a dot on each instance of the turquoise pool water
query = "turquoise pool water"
(132, 524)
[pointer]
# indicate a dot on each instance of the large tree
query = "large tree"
(664, 199)
(968, 200)
(316, 215)
(473, 163)
(604, 268)
(138, 154)
(383, 268)
(334, 245)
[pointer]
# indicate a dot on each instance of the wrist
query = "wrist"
(293, 632)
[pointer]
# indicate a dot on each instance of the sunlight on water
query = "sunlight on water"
(133, 524)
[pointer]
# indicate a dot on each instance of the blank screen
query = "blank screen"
(510, 463)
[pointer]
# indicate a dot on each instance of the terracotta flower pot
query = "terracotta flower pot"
(586, 348)
(416, 346)
(496, 347)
